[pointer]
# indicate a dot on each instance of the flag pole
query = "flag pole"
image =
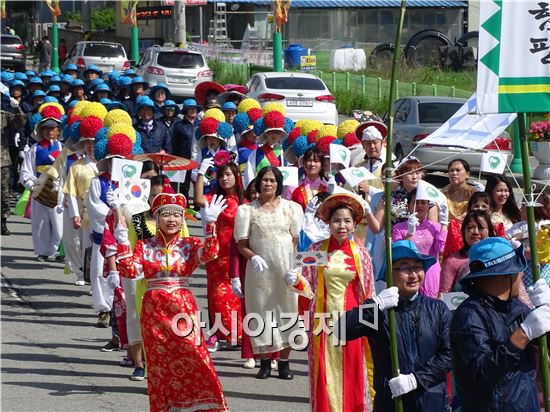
(388, 197)
(535, 269)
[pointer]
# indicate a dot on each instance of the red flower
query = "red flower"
(312, 136)
(294, 133)
(254, 114)
(119, 144)
(324, 144)
(90, 126)
(209, 126)
(274, 120)
(222, 157)
(51, 111)
(351, 140)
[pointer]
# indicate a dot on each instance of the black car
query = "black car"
(12, 54)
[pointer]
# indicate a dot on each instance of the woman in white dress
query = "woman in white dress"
(266, 231)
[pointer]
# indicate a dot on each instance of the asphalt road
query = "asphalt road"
(50, 348)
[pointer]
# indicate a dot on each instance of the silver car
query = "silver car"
(108, 56)
(12, 53)
(417, 117)
(182, 70)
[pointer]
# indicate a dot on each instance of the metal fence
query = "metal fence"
(375, 89)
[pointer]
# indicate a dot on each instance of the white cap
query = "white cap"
(371, 133)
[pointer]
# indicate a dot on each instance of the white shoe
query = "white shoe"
(250, 363)
(274, 364)
(80, 283)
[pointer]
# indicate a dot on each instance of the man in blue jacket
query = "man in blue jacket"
(493, 360)
(422, 326)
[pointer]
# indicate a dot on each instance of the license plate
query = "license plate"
(106, 69)
(179, 80)
(299, 103)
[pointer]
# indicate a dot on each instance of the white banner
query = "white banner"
(453, 299)
(176, 175)
(340, 154)
(468, 129)
(125, 169)
(356, 175)
(290, 176)
(493, 162)
(514, 56)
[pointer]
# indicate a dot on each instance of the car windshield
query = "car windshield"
(294, 83)
(438, 112)
(179, 60)
(10, 40)
(104, 50)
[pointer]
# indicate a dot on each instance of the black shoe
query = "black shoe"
(41, 258)
(265, 369)
(5, 231)
(60, 259)
(284, 370)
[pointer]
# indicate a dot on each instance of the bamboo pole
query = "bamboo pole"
(388, 195)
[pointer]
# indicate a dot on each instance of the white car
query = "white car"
(304, 95)
(180, 69)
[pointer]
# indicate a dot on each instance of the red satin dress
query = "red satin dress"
(222, 302)
(180, 372)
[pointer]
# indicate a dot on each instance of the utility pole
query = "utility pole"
(181, 41)
(87, 16)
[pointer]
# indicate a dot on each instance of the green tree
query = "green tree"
(102, 18)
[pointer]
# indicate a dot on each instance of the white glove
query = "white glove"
(59, 209)
(23, 152)
(443, 213)
(259, 263)
(537, 323)
(388, 298)
(17, 139)
(14, 103)
(539, 293)
(30, 184)
(402, 384)
(121, 234)
(113, 280)
(291, 277)
(112, 199)
(205, 165)
(214, 209)
(479, 187)
(515, 243)
(412, 223)
(237, 288)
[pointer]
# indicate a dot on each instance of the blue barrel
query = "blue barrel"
(293, 54)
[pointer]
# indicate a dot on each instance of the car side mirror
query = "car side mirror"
(132, 63)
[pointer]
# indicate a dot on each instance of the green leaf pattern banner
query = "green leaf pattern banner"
(514, 63)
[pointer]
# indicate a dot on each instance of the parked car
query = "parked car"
(304, 95)
(180, 69)
(108, 56)
(12, 53)
(418, 116)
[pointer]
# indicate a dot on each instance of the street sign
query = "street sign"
(308, 63)
(154, 13)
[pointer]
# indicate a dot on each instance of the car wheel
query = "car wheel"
(399, 153)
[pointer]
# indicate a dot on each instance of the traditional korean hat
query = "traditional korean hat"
(173, 200)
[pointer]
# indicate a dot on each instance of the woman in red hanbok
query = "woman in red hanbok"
(340, 376)
(222, 302)
(181, 375)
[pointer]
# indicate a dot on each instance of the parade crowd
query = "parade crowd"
(261, 228)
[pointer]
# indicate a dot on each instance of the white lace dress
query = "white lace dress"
(270, 235)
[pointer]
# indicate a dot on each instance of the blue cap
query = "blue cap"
(139, 79)
(130, 72)
(30, 73)
(54, 88)
(72, 104)
(78, 83)
(6, 76)
(144, 101)
(105, 101)
(403, 249)
(71, 67)
(47, 73)
(113, 75)
(50, 99)
(494, 256)
(36, 80)
(19, 83)
(159, 86)
(229, 106)
(124, 81)
(170, 104)
(66, 78)
(92, 68)
(188, 103)
(21, 76)
(102, 87)
(115, 104)
(38, 93)
(94, 83)
(54, 80)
